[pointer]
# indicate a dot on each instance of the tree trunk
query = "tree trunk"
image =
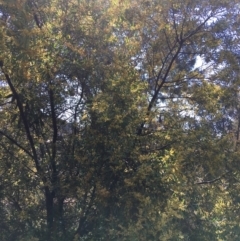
(49, 208)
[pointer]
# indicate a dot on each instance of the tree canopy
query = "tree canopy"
(119, 120)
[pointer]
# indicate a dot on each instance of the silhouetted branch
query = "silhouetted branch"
(213, 180)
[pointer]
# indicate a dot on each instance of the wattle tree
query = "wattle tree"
(119, 120)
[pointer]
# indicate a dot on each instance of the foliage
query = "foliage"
(119, 120)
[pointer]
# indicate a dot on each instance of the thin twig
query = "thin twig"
(213, 180)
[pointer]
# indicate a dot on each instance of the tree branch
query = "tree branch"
(24, 119)
(213, 180)
(55, 132)
(16, 143)
(160, 85)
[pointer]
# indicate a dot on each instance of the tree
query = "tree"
(109, 130)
